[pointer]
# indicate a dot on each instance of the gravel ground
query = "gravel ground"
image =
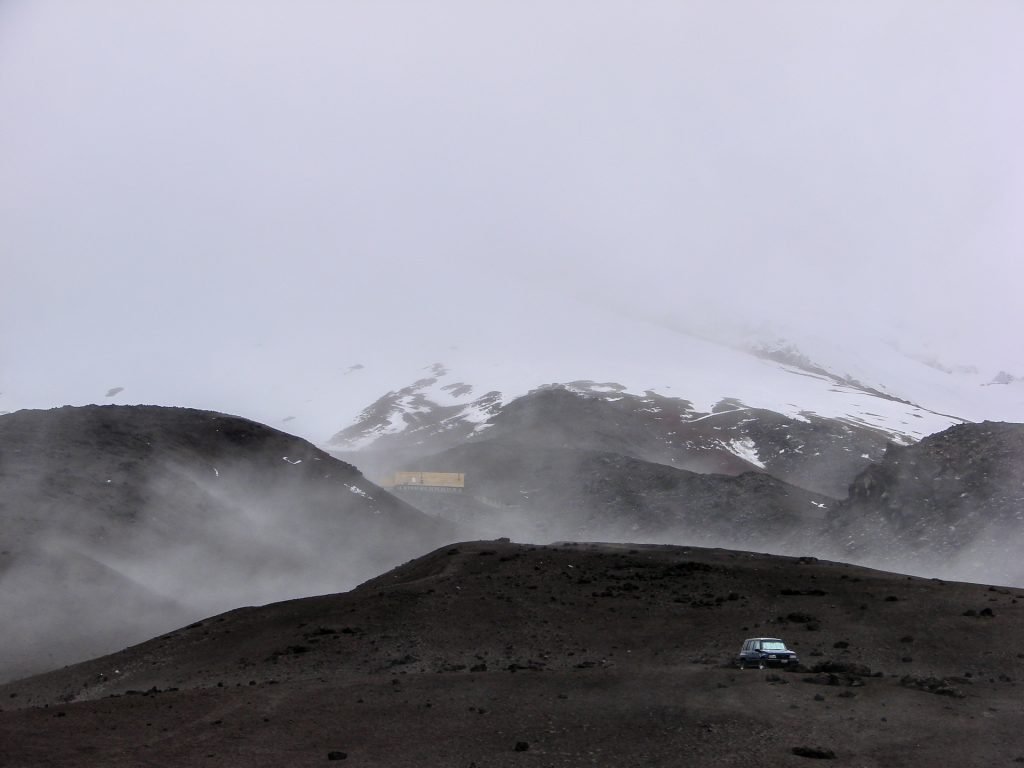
(497, 654)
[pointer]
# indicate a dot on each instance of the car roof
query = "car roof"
(772, 639)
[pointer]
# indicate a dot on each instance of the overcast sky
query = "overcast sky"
(204, 192)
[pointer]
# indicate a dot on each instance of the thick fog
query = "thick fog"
(236, 205)
(85, 571)
(224, 204)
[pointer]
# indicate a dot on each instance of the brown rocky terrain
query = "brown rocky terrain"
(497, 654)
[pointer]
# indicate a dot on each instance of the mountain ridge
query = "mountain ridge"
(202, 509)
(955, 499)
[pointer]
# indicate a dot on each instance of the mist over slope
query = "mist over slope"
(120, 521)
(952, 504)
(494, 653)
(812, 415)
(570, 462)
(455, 379)
(816, 453)
(545, 494)
(456, 360)
(459, 391)
(796, 415)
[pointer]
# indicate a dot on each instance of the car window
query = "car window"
(773, 646)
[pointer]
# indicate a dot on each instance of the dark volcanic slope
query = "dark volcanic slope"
(955, 498)
(812, 452)
(495, 654)
(180, 513)
(567, 493)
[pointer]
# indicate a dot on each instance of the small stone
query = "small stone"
(521, 746)
(815, 752)
(336, 755)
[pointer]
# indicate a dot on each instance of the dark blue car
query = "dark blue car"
(761, 652)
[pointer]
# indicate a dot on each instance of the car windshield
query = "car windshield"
(773, 646)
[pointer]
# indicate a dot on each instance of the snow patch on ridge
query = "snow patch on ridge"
(746, 450)
(359, 492)
(608, 356)
(710, 371)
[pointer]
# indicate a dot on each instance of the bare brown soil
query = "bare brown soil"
(496, 654)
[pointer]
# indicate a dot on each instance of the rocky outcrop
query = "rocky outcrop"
(957, 494)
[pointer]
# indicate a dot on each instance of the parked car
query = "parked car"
(761, 652)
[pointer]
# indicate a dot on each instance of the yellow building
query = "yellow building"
(428, 481)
